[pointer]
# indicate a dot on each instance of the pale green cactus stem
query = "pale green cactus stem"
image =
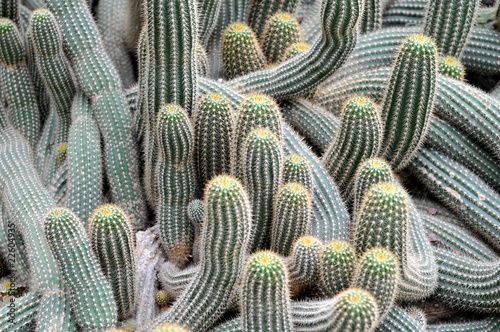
(227, 227)
(292, 213)
(210, 11)
(84, 180)
(112, 241)
(358, 139)
(339, 35)
(91, 296)
(100, 82)
(282, 30)
(202, 58)
(371, 19)
(175, 181)
(297, 169)
(26, 308)
(262, 11)
(265, 297)
(17, 88)
(489, 324)
(451, 67)
(409, 100)
(337, 263)
(449, 23)
(303, 263)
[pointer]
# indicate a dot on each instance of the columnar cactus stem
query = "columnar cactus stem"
(292, 213)
(10, 9)
(101, 84)
(228, 228)
(25, 313)
(358, 138)
(17, 89)
(91, 296)
(297, 169)
(202, 58)
(238, 39)
(262, 165)
(449, 22)
(110, 234)
(371, 19)
(213, 126)
(261, 12)
(175, 181)
(303, 262)
(451, 67)
(209, 16)
(339, 35)
(336, 263)
(409, 100)
(85, 184)
(265, 298)
(281, 31)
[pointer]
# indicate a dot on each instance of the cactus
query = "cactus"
(297, 169)
(112, 242)
(452, 67)
(449, 23)
(293, 50)
(175, 181)
(238, 38)
(378, 273)
(409, 100)
(228, 227)
(489, 324)
(202, 58)
(262, 166)
(255, 111)
(26, 308)
(303, 262)
(339, 35)
(91, 296)
(371, 19)
(291, 217)
(337, 262)
(209, 15)
(61, 154)
(17, 89)
(213, 126)
(262, 11)
(418, 315)
(170, 328)
(161, 298)
(196, 211)
(265, 286)
(100, 82)
(399, 320)
(282, 30)
(358, 138)
(85, 184)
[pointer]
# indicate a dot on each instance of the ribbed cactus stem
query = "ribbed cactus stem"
(378, 273)
(10, 9)
(213, 126)
(112, 241)
(265, 298)
(203, 65)
(303, 262)
(292, 212)
(449, 22)
(175, 181)
(371, 19)
(262, 11)
(262, 165)
(337, 262)
(255, 111)
(409, 100)
(238, 39)
(90, 294)
(282, 30)
(228, 228)
(209, 15)
(452, 67)
(297, 169)
(358, 138)
(17, 89)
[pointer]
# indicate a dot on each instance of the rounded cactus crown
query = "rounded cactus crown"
(60, 217)
(294, 194)
(175, 133)
(222, 188)
(451, 67)
(161, 298)
(380, 261)
(386, 197)
(418, 45)
(196, 211)
(260, 137)
(109, 216)
(336, 251)
(295, 49)
(61, 153)
(259, 103)
(281, 30)
(239, 33)
(266, 266)
(355, 302)
(296, 163)
(47, 37)
(11, 43)
(215, 103)
(170, 328)
(360, 106)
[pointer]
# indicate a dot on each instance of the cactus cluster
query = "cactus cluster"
(249, 165)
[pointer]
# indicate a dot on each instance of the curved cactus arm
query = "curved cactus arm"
(468, 283)
(85, 184)
(399, 320)
(331, 218)
(59, 185)
(174, 280)
(461, 190)
(111, 18)
(405, 12)
(489, 324)
(101, 84)
(209, 16)
(339, 35)
(26, 309)
(456, 238)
